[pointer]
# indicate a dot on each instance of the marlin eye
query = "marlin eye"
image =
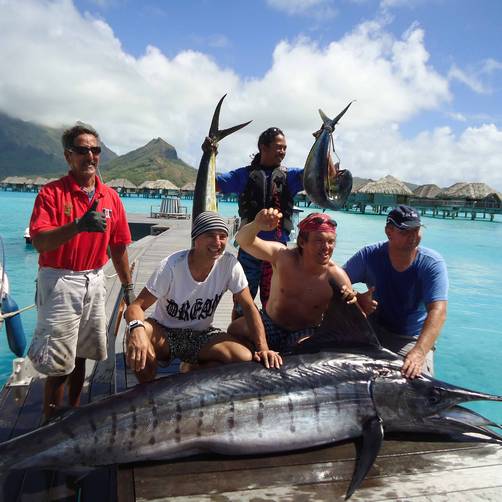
(435, 396)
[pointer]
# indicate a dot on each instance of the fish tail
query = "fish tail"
(214, 132)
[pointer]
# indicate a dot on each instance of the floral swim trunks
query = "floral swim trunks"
(185, 343)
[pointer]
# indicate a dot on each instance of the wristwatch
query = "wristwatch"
(134, 324)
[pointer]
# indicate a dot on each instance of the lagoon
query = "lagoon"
(469, 348)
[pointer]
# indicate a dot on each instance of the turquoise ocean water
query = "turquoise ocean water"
(469, 348)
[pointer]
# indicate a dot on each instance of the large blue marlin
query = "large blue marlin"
(324, 192)
(315, 398)
(204, 198)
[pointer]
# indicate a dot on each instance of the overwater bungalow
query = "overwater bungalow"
(158, 188)
(428, 191)
(381, 194)
(123, 186)
(467, 191)
(187, 190)
(16, 183)
(492, 200)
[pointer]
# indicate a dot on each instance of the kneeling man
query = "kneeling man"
(300, 289)
(187, 287)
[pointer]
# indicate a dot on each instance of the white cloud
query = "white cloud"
(470, 79)
(320, 9)
(460, 117)
(490, 66)
(72, 67)
(438, 156)
(391, 4)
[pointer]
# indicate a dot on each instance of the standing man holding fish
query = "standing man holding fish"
(408, 290)
(187, 288)
(301, 283)
(74, 221)
(263, 184)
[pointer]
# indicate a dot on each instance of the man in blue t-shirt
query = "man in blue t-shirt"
(407, 292)
(264, 184)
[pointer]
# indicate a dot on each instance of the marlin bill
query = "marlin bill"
(319, 396)
(204, 198)
(325, 191)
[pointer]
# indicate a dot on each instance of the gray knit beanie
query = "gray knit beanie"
(207, 221)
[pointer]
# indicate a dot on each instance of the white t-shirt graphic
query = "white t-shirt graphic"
(183, 302)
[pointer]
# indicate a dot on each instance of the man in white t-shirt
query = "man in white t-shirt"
(187, 287)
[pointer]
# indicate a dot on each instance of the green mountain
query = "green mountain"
(29, 149)
(156, 160)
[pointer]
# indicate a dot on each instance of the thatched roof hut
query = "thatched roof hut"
(17, 180)
(429, 191)
(358, 183)
(40, 181)
(121, 183)
(188, 187)
(492, 200)
(387, 185)
(150, 185)
(473, 191)
(165, 185)
(158, 185)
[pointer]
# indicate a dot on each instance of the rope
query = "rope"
(12, 314)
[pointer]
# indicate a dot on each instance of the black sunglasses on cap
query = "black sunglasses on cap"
(84, 150)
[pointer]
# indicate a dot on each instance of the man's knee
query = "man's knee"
(227, 351)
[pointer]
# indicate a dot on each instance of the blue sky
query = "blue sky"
(426, 74)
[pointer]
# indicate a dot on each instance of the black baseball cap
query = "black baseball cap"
(404, 217)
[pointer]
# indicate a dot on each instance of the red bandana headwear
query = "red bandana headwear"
(317, 222)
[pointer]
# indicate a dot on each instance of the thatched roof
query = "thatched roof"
(165, 185)
(468, 191)
(428, 191)
(188, 187)
(40, 181)
(17, 180)
(387, 185)
(147, 184)
(358, 183)
(159, 185)
(121, 183)
(494, 196)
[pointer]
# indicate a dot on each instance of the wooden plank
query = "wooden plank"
(12, 406)
(471, 468)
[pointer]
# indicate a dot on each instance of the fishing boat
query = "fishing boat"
(424, 467)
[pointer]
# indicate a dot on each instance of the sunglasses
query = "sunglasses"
(319, 221)
(84, 150)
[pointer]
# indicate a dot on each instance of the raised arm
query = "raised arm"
(266, 219)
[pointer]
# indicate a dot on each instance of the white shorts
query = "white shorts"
(71, 320)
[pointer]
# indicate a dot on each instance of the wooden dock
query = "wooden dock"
(419, 469)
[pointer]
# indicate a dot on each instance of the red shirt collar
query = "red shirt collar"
(75, 187)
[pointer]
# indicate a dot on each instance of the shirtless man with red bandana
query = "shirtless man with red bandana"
(300, 289)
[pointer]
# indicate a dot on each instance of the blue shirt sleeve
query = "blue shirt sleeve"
(233, 181)
(295, 180)
(436, 283)
(356, 267)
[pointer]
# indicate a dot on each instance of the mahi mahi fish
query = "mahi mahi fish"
(204, 198)
(321, 190)
(315, 398)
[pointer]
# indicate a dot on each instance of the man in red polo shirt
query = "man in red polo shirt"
(74, 220)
